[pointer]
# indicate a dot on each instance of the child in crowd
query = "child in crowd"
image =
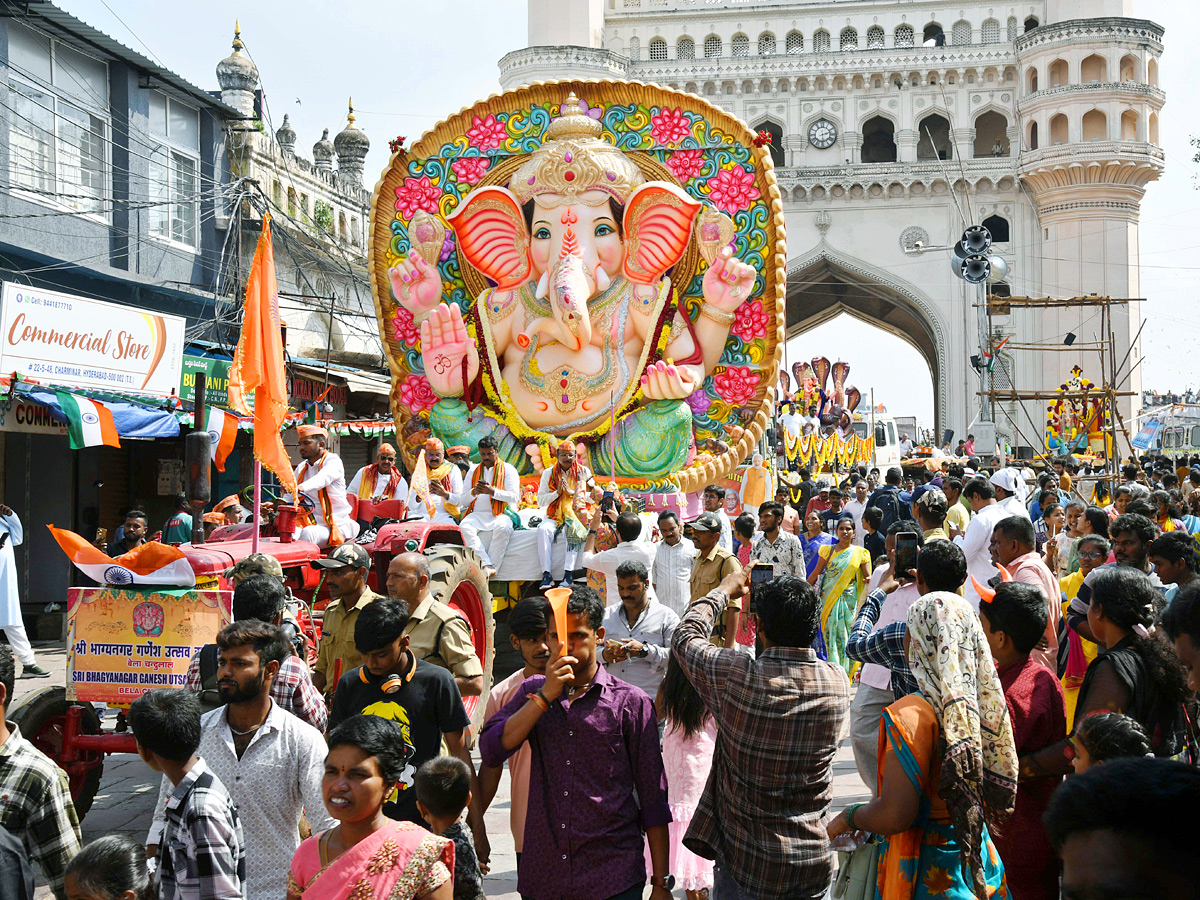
(743, 529)
(1105, 736)
(203, 854)
(443, 787)
(1014, 620)
(874, 541)
(110, 868)
(743, 532)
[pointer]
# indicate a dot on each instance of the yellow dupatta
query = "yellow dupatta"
(851, 572)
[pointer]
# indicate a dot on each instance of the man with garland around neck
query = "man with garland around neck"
(445, 485)
(322, 479)
(381, 480)
(563, 490)
(492, 487)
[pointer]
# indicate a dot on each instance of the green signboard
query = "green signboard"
(217, 372)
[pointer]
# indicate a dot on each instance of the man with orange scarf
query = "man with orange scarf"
(563, 488)
(445, 486)
(381, 480)
(491, 487)
(322, 479)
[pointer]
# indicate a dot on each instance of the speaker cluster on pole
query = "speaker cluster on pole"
(971, 261)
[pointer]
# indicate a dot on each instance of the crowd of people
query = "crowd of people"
(1015, 670)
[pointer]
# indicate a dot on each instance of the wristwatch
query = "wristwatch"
(665, 881)
(644, 652)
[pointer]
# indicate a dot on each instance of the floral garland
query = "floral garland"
(822, 451)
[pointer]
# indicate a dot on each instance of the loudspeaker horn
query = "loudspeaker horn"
(975, 269)
(999, 269)
(977, 239)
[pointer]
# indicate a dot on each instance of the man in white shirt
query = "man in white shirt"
(976, 542)
(1010, 491)
(563, 490)
(672, 572)
(906, 445)
(856, 507)
(642, 626)
(445, 482)
(492, 486)
(270, 761)
(322, 479)
(714, 502)
(381, 480)
(629, 527)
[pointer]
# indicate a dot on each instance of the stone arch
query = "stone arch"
(932, 31)
(991, 126)
(794, 42)
(878, 139)
(999, 227)
(1129, 67)
(820, 41)
(1057, 75)
(1094, 68)
(848, 39)
(903, 36)
(1014, 28)
(875, 38)
(1093, 126)
(773, 127)
(960, 33)
(1032, 81)
(658, 49)
(1059, 131)
(826, 283)
(1152, 133)
(934, 141)
(739, 45)
(1152, 72)
(1031, 142)
(635, 49)
(685, 48)
(713, 46)
(989, 31)
(766, 44)
(1031, 23)
(1129, 125)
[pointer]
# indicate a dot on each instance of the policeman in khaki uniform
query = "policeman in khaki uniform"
(712, 563)
(346, 574)
(436, 633)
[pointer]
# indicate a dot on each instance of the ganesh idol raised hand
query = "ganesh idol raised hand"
(577, 246)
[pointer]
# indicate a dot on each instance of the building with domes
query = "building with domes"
(897, 123)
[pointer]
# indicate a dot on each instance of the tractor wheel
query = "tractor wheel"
(456, 577)
(42, 718)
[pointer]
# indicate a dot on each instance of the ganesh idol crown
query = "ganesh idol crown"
(595, 261)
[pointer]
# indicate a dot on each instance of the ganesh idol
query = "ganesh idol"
(576, 328)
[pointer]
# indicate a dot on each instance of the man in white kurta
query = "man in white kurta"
(563, 503)
(381, 480)
(322, 479)
(445, 484)
(13, 534)
(491, 482)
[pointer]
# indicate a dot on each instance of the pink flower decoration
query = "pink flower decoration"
(736, 384)
(416, 394)
(685, 164)
(470, 169)
(750, 321)
(404, 327)
(486, 134)
(417, 193)
(670, 127)
(733, 189)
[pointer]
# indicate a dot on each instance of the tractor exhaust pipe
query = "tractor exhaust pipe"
(197, 457)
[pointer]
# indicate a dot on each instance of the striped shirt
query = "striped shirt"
(203, 854)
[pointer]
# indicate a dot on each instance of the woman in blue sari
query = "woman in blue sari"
(813, 538)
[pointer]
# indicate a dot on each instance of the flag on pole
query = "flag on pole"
(258, 363)
(222, 428)
(151, 563)
(90, 422)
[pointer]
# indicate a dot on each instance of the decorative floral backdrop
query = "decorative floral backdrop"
(710, 163)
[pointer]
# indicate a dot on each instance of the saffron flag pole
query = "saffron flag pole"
(258, 367)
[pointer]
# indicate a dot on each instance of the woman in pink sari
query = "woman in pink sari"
(367, 856)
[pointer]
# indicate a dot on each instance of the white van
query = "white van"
(887, 439)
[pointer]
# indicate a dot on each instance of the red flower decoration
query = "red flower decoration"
(397, 143)
(750, 321)
(486, 134)
(670, 127)
(762, 139)
(733, 189)
(685, 164)
(404, 327)
(470, 169)
(416, 394)
(736, 384)
(417, 193)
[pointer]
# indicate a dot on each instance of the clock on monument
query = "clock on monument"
(822, 133)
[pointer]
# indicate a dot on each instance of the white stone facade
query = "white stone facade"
(1039, 118)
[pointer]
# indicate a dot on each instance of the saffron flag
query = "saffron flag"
(89, 422)
(151, 563)
(258, 364)
(420, 483)
(222, 428)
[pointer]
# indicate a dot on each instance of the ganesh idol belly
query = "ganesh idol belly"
(578, 247)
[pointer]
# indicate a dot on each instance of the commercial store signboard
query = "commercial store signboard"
(61, 339)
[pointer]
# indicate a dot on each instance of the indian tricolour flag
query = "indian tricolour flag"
(151, 563)
(89, 422)
(222, 428)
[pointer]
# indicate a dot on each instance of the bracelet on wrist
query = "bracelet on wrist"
(540, 700)
(850, 811)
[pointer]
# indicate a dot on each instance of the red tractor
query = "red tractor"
(71, 734)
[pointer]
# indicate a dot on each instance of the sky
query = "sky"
(408, 65)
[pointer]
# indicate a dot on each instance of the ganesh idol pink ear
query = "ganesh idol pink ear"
(492, 237)
(658, 225)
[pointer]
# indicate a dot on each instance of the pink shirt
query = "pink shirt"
(518, 763)
(1029, 569)
(791, 519)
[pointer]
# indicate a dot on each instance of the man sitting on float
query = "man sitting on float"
(321, 479)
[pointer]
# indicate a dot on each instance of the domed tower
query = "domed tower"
(323, 153)
(286, 136)
(1089, 109)
(351, 146)
(565, 41)
(238, 77)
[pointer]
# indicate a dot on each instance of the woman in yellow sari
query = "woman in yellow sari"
(1092, 551)
(368, 856)
(841, 572)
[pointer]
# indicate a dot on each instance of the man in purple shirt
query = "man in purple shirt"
(596, 780)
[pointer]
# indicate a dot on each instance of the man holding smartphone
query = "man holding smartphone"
(638, 630)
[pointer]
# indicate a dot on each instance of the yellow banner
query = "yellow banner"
(124, 642)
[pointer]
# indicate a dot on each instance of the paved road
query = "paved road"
(128, 790)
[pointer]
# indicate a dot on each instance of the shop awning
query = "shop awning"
(133, 419)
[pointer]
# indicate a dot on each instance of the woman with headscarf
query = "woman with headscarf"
(948, 762)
